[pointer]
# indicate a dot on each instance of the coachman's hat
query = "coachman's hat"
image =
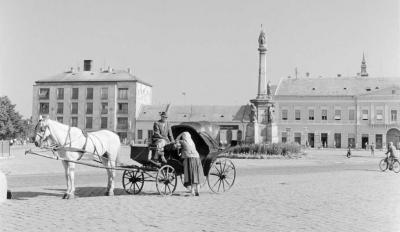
(164, 114)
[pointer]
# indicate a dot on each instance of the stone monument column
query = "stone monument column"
(265, 129)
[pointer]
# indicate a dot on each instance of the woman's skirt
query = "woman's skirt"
(193, 171)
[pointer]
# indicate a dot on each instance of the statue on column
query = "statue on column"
(271, 112)
(253, 113)
(269, 89)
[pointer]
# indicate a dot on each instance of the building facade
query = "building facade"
(93, 100)
(339, 112)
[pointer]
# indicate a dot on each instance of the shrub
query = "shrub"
(265, 149)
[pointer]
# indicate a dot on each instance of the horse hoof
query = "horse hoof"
(68, 196)
(109, 194)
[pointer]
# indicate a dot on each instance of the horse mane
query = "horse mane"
(52, 124)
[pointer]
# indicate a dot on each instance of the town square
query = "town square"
(199, 116)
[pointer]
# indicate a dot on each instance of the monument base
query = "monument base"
(272, 133)
(252, 133)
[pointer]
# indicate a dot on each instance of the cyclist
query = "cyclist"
(390, 158)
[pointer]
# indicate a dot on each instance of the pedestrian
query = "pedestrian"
(348, 151)
(372, 149)
(193, 170)
(366, 145)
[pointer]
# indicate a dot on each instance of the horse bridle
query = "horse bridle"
(41, 130)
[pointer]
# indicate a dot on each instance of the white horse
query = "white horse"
(72, 139)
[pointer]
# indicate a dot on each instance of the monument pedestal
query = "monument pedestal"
(272, 133)
(252, 133)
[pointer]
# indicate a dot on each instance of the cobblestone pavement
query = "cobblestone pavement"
(321, 192)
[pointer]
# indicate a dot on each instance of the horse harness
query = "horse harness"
(82, 150)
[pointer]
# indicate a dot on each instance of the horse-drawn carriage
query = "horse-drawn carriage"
(70, 145)
(220, 172)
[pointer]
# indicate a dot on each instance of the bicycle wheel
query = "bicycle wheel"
(383, 165)
(396, 166)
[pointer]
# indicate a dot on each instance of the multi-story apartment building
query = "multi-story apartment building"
(93, 100)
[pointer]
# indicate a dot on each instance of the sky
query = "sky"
(206, 49)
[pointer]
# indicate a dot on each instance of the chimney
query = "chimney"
(87, 65)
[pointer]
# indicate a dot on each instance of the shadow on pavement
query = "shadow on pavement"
(24, 195)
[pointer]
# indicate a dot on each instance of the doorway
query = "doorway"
(324, 139)
(338, 140)
(311, 139)
(364, 141)
(378, 141)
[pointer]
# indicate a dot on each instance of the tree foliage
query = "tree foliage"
(11, 123)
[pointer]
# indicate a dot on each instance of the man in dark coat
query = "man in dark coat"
(162, 136)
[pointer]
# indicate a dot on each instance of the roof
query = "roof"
(195, 113)
(92, 76)
(328, 86)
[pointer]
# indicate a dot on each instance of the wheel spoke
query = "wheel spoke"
(219, 184)
(227, 182)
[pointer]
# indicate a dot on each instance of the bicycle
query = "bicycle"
(393, 164)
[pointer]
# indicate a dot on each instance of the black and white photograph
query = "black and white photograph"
(208, 116)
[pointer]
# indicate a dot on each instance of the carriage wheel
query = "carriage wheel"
(383, 165)
(221, 176)
(133, 181)
(396, 166)
(166, 180)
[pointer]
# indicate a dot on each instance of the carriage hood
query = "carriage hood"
(204, 135)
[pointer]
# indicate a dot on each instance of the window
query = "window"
(393, 115)
(60, 119)
(104, 108)
(44, 93)
(284, 114)
(89, 122)
(74, 108)
(297, 114)
(122, 108)
(104, 93)
(338, 114)
(122, 123)
(140, 134)
(75, 93)
(103, 123)
(324, 115)
(310, 114)
(89, 93)
(60, 93)
(149, 134)
(352, 114)
(44, 108)
(297, 137)
(364, 114)
(123, 93)
(284, 137)
(89, 108)
(60, 108)
(74, 121)
(379, 115)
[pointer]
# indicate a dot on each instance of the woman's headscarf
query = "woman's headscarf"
(188, 139)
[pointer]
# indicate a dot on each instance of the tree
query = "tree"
(11, 123)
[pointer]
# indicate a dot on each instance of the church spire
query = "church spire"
(363, 67)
